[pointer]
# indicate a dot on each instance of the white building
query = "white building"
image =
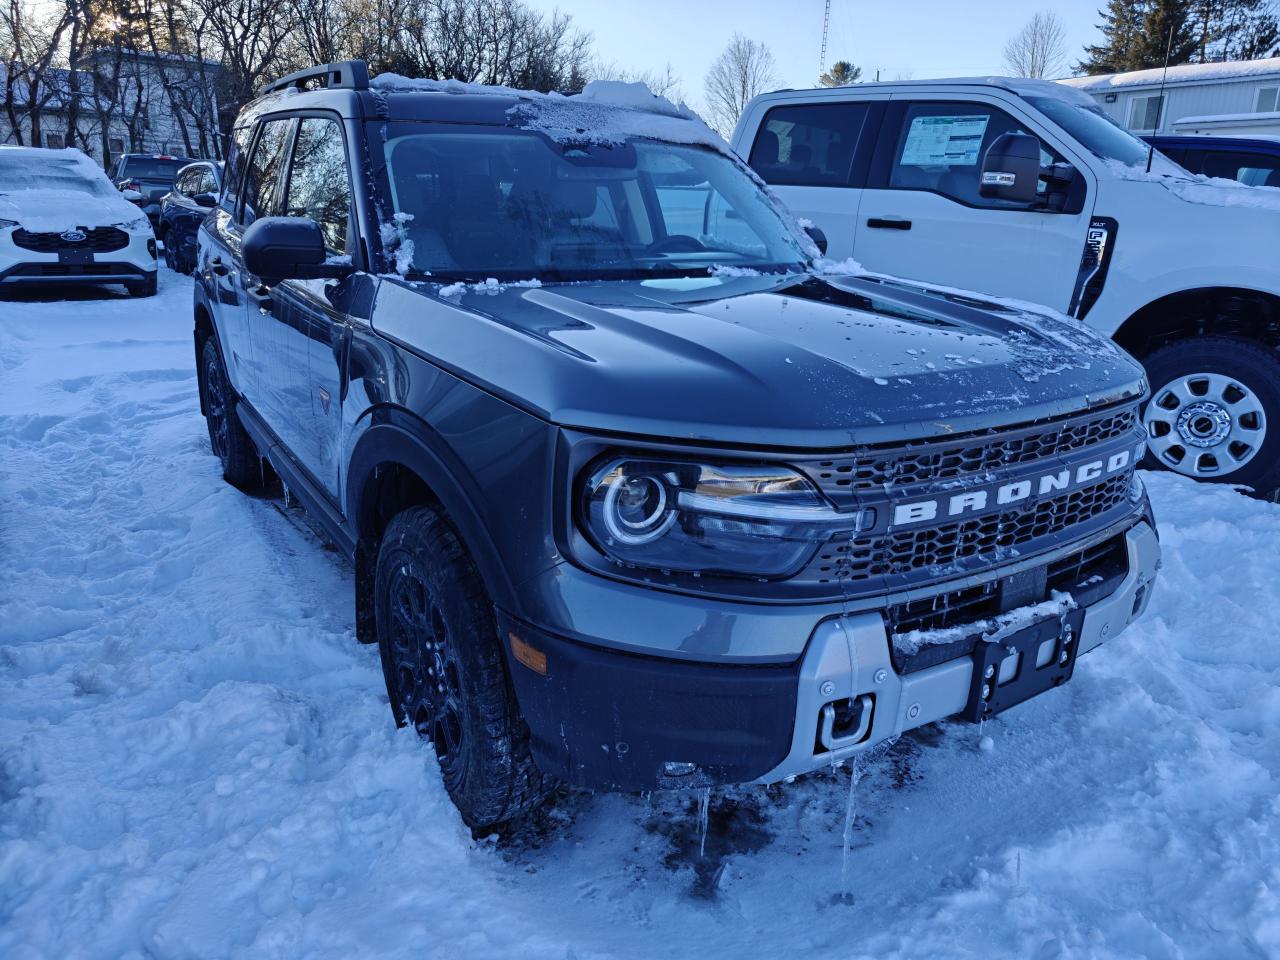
(1240, 98)
(119, 102)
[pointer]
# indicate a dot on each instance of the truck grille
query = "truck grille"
(940, 550)
(99, 240)
(954, 457)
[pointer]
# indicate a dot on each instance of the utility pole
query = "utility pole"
(826, 27)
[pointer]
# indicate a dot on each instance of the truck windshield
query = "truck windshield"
(1098, 133)
(483, 202)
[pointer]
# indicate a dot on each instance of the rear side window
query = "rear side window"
(1255, 169)
(318, 184)
(809, 144)
(265, 169)
(940, 148)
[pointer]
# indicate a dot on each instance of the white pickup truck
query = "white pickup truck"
(1024, 189)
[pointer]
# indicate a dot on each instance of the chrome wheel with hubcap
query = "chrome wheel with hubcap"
(1205, 425)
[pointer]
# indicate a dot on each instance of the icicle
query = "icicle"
(855, 774)
(704, 808)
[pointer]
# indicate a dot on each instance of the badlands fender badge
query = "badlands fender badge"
(1099, 243)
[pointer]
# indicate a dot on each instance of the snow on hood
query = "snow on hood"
(1197, 188)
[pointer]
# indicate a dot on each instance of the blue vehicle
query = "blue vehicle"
(638, 493)
(1251, 160)
(194, 193)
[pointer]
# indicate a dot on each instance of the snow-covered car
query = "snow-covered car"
(639, 492)
(63, 222)
(1025, 189)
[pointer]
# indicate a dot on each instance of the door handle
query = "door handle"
(889, 223)
(261, 295)
(219, 268)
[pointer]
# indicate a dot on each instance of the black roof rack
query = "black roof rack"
(347, 74)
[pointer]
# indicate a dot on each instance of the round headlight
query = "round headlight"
(637, 509)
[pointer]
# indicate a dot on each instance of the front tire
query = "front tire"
(227, 436)
(444, 669)
(1214, 412)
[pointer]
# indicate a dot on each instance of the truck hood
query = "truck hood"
(795, 361)
(52, 211)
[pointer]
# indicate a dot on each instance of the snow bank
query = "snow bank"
(197, 759)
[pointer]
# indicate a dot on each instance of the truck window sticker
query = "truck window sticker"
(944, 141)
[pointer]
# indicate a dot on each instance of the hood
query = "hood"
(52, 211)
(796, 361)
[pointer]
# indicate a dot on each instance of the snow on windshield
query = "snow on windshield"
(51, 170)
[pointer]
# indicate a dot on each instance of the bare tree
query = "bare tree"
(1039, 49)
(744, 69)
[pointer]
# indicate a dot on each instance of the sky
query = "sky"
(905, 39)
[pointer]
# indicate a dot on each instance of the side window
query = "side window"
(808, 145)
(1255, 169)
(940, 148)
(185, 182)
(207, 182)
(236, 156)
(263, 173)
(318, 184)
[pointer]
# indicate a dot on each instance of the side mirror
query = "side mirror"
(288, 248)
(1011, 168)
(133, 196)
(818, 237)
(207, 200)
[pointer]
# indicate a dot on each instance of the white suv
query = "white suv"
(1024, 189)
(63, 222)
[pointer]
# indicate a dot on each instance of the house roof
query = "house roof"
(1187, 73)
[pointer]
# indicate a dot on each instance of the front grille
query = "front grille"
(954, 457)
(73, 270)
(936, 549)
(99, 240)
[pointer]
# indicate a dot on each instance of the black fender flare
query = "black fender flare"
(397, 436)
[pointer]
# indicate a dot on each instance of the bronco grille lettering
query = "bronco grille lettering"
(972, 501)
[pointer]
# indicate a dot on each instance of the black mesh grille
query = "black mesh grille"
(912, 550)
(99, 240)
(917, 463)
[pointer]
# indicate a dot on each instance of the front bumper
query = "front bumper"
(133, 263)
(606, 718)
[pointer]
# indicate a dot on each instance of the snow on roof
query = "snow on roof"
(606, 111)
(1272, 116)
(1187, 73)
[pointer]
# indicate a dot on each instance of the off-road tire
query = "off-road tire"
(227, 436)
(489, 772)
(1254, 366)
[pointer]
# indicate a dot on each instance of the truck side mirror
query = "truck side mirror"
(288, 248)
(1011, 168)
(206, 200)
(818, 237)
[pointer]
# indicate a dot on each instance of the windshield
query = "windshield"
(149, 168)
(1097, 132)
(483, 202)
(23, 173)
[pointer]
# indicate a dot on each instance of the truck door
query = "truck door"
(814, 156)
(923, 217)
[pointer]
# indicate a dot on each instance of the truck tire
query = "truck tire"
(1214, 412)
(445, 672)
(143, 288)
(227, 436)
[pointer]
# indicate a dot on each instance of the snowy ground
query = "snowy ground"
(196, 759)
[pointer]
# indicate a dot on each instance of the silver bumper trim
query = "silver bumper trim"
(849, 656)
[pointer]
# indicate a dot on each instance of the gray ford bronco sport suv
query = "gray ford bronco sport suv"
(639, 491)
